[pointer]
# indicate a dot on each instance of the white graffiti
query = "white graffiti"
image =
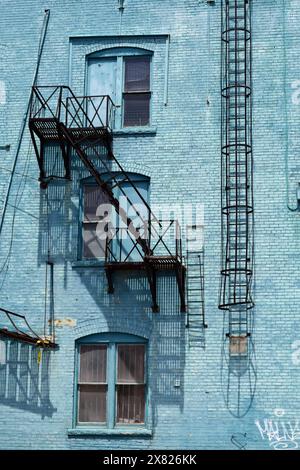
(282, 435)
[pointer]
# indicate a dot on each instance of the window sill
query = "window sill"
(82, 431)
(88, 263)
(135, 131)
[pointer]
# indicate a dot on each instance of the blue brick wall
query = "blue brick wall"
(183, 160)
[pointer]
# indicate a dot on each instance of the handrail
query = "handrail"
(112, 255)
(64, 103)
(109, 250)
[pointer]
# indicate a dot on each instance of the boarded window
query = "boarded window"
(137, 92)
(92, 385)
(130, 387)
(238, 346)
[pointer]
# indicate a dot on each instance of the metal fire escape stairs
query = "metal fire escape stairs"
(85, 124)
(237, 169)
(195, 317)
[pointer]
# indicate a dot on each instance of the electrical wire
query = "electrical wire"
(23, 180)
(18, 174)
(25, 116)
(18, 199)
(20, 139)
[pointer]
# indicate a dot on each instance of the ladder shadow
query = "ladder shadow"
(238, 375)
(167, 353)
(196, 336)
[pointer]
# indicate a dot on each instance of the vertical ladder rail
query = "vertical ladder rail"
(236, 167)
(195, 317)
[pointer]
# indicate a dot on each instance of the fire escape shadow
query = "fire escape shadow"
(55, 229)
(129, 307)
(167, 354)
(238, 376)
(24, 381)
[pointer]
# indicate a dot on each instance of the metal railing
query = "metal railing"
(121, 246)
(59, 102)
(87, 111)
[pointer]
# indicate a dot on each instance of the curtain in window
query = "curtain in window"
(92, 384)
(131, 384)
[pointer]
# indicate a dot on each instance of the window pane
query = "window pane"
(137, 74)
(93, 245)
(131, 404)
(92, 363)
(92, 404)
(131, 363)
(93, 198)
(136, 109)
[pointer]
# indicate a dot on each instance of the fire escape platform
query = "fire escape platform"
(47, 129)
(156, 262)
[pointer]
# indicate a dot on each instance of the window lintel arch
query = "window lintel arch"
(119, 52)
(111, 337)
(134, 176)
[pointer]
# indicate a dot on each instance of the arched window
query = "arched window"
(125, 75)
(94, 205)
(111, 380)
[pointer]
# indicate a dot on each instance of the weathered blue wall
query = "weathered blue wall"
(183, 160)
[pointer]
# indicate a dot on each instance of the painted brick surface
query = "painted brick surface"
(183, 160)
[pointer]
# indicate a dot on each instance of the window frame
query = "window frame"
(119, 54)
(111, 340)
(89, 181)
(83, 221)
(91, 383)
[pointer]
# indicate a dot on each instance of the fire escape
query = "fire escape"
(237, 172)
(85, 125)
(20, 330)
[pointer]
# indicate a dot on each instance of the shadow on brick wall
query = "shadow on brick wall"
(167, 355)
(24, 380)
(238, 375)
(131, 301)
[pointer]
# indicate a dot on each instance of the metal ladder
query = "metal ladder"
(237, 191)
(195, 318)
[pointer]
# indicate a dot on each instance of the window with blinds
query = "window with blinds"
(92, 384)
(137, 94)
(111, 384)
(130, 387)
